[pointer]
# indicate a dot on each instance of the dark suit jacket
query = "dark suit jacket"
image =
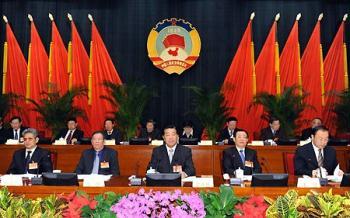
(306, 133)
(266, 134)
(40, 156)
(194, 135)
(182, 156)
(10, 135)
(115, 135)
(224, 134)
(305, 160)
(154, 135)
(87, 158)
(78, 134)
(3, 135)
(232, 161)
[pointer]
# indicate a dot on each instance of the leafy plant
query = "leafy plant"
(342, 109)
(284, 206)
(103, 207)
(211, 110)
(287, 107)
(7, 101)
(75, 202)
(129, 101)
(221, 204)
(56, 109)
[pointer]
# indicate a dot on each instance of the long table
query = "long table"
(120, 185)
(133, 159)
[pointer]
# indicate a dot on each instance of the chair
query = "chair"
(54, 159)
(288, 161)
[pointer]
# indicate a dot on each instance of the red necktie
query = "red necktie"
(69, 138)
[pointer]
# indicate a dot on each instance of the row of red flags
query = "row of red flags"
(63, 68)
(273, 72)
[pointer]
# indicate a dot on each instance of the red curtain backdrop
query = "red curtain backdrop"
(334, 70)
(266, 73)
(15, 80)
(238, 84)
(311, 75)
(80, 73)
(58, 62)
(37, 81)
(102, 70)
(290, 59)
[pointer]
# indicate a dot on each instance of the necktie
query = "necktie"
(241, 153)
(171, 154)
(26, 161)
(16, 135)
(320, 158)
(96, 164)
(69, 138)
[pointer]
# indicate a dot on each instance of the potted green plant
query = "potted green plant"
(342, 109)
(55, 109)
(129, 101)
(287, 107)
(211, 110)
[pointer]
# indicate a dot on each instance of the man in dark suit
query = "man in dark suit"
(188, 131)
(316, 157)
(110, 132)
(99, 159)
(31, 159)
(16, 130)
(150, 131)
(71, 134)
(273, 131)
(172, 157)
(240, 156)
(226, 134)
(306, 133)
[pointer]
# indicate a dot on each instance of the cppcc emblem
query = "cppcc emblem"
(173, 45)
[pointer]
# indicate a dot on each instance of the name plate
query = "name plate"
(203, 182)
(93, 181)
(110, 142)
(309, 183)
(11, 180)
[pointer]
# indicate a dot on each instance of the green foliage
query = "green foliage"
(104, 204)
(284, 206)
(17, 206)
(7, 101)
(287, 107)
(129, 101)
(211, 110)
(56, 109)
(221, 204)
(342, 109)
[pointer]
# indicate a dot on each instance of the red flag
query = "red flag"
(14, 73)
(266, 72)
(79, 68)
(290, 60)
(335, 76)
(58, 58)
(102, 69)
(241, 72)
(311, 71)
(37, 75)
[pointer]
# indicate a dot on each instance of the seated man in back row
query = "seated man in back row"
(316, 157)
(172, 157)
(240, 156)
(273, 132)
(99, 159)
(31, 159)
(71, 134)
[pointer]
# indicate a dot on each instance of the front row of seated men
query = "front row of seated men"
(173, 157)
